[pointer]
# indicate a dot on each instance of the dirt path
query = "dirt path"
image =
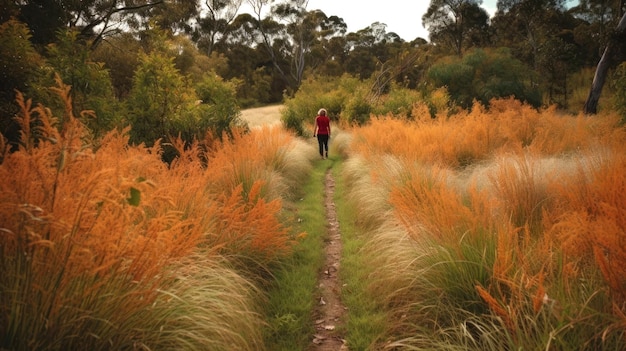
(329, 312)
(262, 116)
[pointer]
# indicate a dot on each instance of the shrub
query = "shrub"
(21, 65)
(357, 108)
(159, 98)
(329, 93)
(219, 109)
(398, 102)
(485, 75)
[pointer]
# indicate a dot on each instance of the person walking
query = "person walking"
(322, 131)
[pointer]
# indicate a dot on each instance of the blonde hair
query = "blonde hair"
(321, 112)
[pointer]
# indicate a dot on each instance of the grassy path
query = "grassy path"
(291, 300)
(305, 310)
(313, 305)
(319, 302)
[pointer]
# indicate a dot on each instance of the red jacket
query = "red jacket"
(323, 125)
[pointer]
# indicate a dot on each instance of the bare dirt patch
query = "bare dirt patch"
(329, 312)
(262, 116)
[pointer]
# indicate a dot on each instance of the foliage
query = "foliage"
(398, 102)
(483, 75)
(456, 25)
(357, 107)
(20, 64)
(159, 100)
(90, 82)
(350, 101)
(218, 104)
(272, 50)
(328, 93)
(120, 55)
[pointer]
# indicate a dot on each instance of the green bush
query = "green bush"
(219, 110)
(314, 93)
(399, 102)
(333, 94)
(91, 85)
(357, 109)
(484, 75)
(20, 64)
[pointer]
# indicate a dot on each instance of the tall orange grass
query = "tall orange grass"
(92, 238)
(477, 135)
(515, 217)
(590, 218)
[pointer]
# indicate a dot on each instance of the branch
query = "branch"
(85, 32)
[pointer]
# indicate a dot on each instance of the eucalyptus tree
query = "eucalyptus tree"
(543, 34)
(248, 62)
(614, 54)
(318, 40)
(524, 25)
(329, 53)
(603, 13)
(457, 24)
(294, 37)
(214, 22)
(605, 33)
(301, 29)
(369, 48)
(272, 35)
(95, 19)
(599, 18)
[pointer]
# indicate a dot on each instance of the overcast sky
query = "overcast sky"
(404, 17)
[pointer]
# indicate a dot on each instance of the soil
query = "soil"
(329, 312)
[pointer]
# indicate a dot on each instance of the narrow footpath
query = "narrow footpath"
(329, 312)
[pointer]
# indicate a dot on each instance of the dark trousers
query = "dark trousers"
(322, 140)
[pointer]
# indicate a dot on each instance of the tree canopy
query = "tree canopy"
(102, 47)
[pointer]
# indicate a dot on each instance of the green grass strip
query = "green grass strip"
(291, 298)
(365, 322)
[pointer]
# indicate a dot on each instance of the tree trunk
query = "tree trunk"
(614, 53)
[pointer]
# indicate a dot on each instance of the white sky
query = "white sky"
(404, 17)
